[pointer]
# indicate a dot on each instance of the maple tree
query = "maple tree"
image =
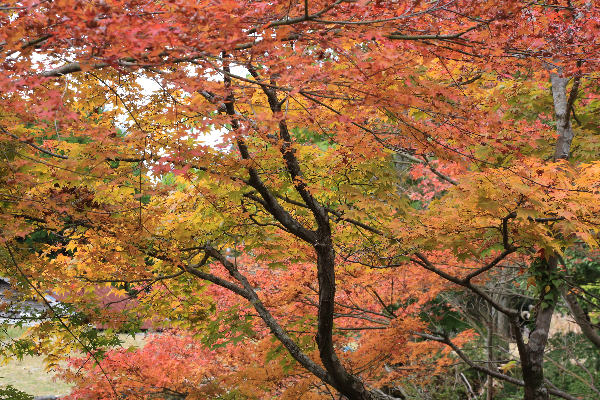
(243, 360)
(323, 107)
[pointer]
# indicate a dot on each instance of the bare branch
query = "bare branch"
(580, 318)
(490, 265)
(425, 263)
(434, 37)
(35, 146)
(488, 371)
(574, 92)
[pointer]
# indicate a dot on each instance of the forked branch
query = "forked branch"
(444, 339)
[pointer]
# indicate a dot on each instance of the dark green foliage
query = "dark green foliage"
(444, 387)
(573, 353)
(583, 270)
(441, 317)
(37, 240)
(10, 393)
(304, 135)
(584, 266)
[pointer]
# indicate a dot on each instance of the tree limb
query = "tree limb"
(488, 371)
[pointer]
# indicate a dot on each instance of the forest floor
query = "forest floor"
(30, 376)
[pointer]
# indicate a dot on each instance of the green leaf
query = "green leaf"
(10, 393)
(463, 256)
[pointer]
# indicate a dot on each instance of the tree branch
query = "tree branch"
(425, 263)
(488, 371)
(580, 317)
(490, 265)
(269, 320)
(433, 37)
(574, 92)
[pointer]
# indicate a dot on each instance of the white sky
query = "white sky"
(213, 138)
(149, 86)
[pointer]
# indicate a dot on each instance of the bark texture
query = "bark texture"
(586, 327)
(532, 352)
(348, 384)
(490, 354)
(562, 110)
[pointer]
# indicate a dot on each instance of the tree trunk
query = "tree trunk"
(580, 319)
(490, 353)
(562, 111)
(503, 324)
(532, 353)
(348, 384)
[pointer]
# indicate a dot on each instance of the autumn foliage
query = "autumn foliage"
(242, 358)
(373, 157)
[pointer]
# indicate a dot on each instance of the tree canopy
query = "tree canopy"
(382, 165)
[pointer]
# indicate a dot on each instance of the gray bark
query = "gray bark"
(532, 352)
(562, 107)
(586, 327)
(562, 110)
(503, 323)
(490, 353)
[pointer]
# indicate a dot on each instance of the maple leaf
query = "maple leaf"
(373, 164)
